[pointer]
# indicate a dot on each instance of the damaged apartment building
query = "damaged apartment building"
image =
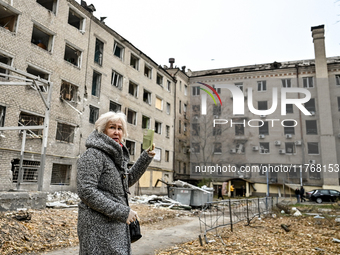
(61, 67)
(83, 69)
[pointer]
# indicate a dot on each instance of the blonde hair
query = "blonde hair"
(105, 118)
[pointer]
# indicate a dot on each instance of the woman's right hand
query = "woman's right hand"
(132, 217)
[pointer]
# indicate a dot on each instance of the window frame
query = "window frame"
(95, 90)
(262, 149)
(309, 150)
(316, 125)
(93, 114)
(64, 128)
(117, 78)
(308, 82)
(261, 86)
(134, 61)
(122, 49)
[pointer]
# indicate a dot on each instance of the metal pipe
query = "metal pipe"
(21, 172)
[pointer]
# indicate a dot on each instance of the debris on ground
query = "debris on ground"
(62, 199)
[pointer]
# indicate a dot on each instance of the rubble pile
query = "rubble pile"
(159, 201)
(62, 199)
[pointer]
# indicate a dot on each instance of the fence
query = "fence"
(229, 212)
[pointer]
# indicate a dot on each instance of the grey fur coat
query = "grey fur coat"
(103, 211)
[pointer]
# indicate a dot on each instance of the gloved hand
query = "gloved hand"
(151, 152)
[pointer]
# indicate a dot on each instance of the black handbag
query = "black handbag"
(134, 227)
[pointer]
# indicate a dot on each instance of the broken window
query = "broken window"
(147, 71)
(145, 122)
(159, 104)
(289, 108)
(167, 156)
(158, 127)
(61, 174)
(167, 131)
(290, 148)
(290, 127)
(261, 86)
(264, 148)
(262, 105)
(196, 91)
(134, 62)
(184, 108)
(179, 126)
(310, 105)
(27, 119)
(168, 108)
(159, 79)
(217, 130)
(29, 167)
(68, 91)
(217, 110)
(76, 20)
(41, 74)
(42, 38)
(185, 128)
(240, 148)
(114, 107)
(239, 129)
(94, 114)
(96, 82)
(133, 88)
(337, 79)
(98, 53)
(65, 133)
(217, 148)
(8, 19)
(116, 79)
(180, 106)
(49, 5)
(5, 60)
(264, 129)
(118, 50)
(308, 82)
(131, 116)
(195, 129)
(2, 115)
(311, 127)
(130, 146)
(147, 97)
(313, 148)
(168, 86)
(286, 83)
(72, 55)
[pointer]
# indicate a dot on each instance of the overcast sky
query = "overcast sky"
(202, 34)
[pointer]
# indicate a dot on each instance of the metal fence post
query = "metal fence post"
(231, 217)
(247, 212)
(258, 206)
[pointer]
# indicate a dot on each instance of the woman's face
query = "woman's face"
(114, 130)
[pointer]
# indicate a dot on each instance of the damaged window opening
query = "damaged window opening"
(50, 5)
(30, 170)
(290, 148)
(133, 89)
(96, 82)
(289, 127)
(131, 116)
(196, 111)
(179, 126)
(42, 38)
(2, 115)
(167, 156)
(217, 148)
(308, 82)
(262, 105)
(68, 92)
(286, 83)
(118, 50)
(195, 129)
(264, 130)
(217, 110)
(61, 174)
(184, 108)
(145, 122)
(41, 74)
(310, 105)
(147, 71)
(158, 127)
(5, 60)
(185, 128)
(289, 108)
(168, 86)
(28, 119)
(264, 148)
(8, 19)
(147, 97)
(218, 90)
(337, 79)
(311, 127)
(159, 104)
(240, 148)
(180, 106)
(168, 108)
(167, 130)
(239, 85)
(239, 129)
(159, 79)
(94, 114)
(134, 62)
(130, 146)
(185, 90)
(261, 86)
(75, 20)
(338, 103)
(116, 79)
(196, 91)
(114, 107)
(98, 54)
(313, 148)
(65, 133)
(72, 55)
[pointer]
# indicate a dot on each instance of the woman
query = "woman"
(102, 182)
